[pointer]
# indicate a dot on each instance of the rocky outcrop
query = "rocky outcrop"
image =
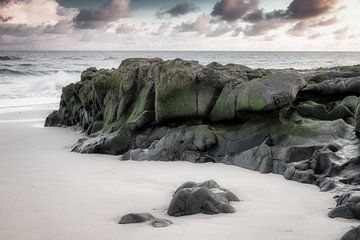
(302, 124)
(207, 197)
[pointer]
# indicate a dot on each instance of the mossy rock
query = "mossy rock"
(225, 107)
(175, 88)
(270, 92)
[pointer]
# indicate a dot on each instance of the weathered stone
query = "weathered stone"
(353, 234)
(136, 218)
(208, 198)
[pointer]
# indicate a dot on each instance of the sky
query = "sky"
(223, 25)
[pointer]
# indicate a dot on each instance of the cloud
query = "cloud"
(303, 14)
(201, 25)
(19, 30)
(62, 27)
(5, 19)
(232, 10)
(326, 22)
(261, 28)
(299, 29)
(341, 33)
(179, 9)
(125, 29)
(163, 28)
(111, 11)
(6, 2)
(221, 29)
(302, 9)
(204, 25)
(305, 27)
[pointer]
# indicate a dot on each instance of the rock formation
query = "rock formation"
(302, 124)
(207, 197)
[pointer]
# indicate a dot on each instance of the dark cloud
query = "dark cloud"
(179, 9)
(302, 9)
(111, 11)
(305, 14)
(232, 10)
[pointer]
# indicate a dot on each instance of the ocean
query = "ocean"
(36, 77)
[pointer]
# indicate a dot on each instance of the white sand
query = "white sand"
(49, 193)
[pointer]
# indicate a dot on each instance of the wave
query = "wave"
(7, 71)
(26, 86)
(9, 58)
(27, 65)
(30, 72)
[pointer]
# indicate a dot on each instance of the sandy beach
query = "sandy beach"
(47, 192)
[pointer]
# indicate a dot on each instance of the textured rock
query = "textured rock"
(136, 218)
(348, 206)
(270, 92)
(353, 234)
(208, 198)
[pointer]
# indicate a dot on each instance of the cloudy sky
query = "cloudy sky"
(288, 25)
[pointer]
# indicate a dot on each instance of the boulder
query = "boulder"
(136, 218)
(348, 206)
(207, 198)
(353, 234)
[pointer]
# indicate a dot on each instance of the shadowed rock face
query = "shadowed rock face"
(302, 124)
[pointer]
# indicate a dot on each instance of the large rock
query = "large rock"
(208, 198)
(353, 234)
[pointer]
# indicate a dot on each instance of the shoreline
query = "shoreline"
(50, 193)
